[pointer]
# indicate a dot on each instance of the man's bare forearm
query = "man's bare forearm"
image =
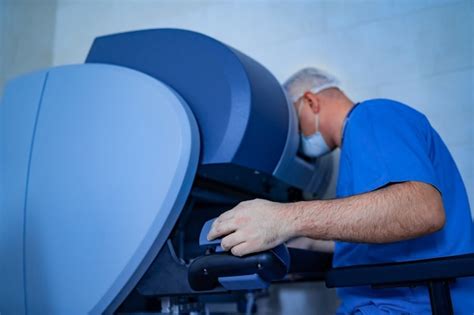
(394, 213)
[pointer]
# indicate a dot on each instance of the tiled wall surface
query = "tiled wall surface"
(418, 52)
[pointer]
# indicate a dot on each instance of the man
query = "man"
(400, 196)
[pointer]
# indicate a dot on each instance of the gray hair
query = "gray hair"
(308, 80)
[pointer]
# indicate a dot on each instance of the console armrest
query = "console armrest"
(403, 273)
(435, 273)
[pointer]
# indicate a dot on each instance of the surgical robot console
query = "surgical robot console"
(113, 170)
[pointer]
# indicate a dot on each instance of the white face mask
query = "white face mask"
(314, 145)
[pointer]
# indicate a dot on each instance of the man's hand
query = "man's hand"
(252, 226)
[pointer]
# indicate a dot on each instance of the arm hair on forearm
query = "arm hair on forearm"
(396, 212)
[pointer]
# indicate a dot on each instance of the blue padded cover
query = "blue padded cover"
(18, 112)
(112, 162)
(240, 107)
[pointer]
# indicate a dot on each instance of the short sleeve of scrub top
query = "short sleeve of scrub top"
(384, 143)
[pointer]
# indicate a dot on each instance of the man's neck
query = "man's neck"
(344, 107)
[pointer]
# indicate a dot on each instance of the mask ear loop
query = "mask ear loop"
(316, 122)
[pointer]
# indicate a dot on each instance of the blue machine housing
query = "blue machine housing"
(240, 107)
(97, 164)
(110, 169)
(243, 114)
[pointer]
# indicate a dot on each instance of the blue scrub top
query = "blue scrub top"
(388, 142)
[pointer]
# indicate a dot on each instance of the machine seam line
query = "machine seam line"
(26, 189)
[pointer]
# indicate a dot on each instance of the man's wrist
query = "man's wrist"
(304, 219)
(292, 214)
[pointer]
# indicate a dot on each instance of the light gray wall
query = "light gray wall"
(2, 39)
(27, 36)
(3, 15)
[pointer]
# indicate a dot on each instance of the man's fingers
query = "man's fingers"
(241, 249)
(220, 229)
(226, 216)
(232, 240)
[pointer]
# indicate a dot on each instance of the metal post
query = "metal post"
(440, 297)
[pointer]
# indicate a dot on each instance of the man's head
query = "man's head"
(320, 104)
(309, 80)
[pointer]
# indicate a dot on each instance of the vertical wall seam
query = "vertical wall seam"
(26, 189)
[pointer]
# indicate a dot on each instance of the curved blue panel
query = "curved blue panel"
(113, 160)
(240, 107)
(18, 112)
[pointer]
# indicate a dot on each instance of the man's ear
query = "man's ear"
(313, 101)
